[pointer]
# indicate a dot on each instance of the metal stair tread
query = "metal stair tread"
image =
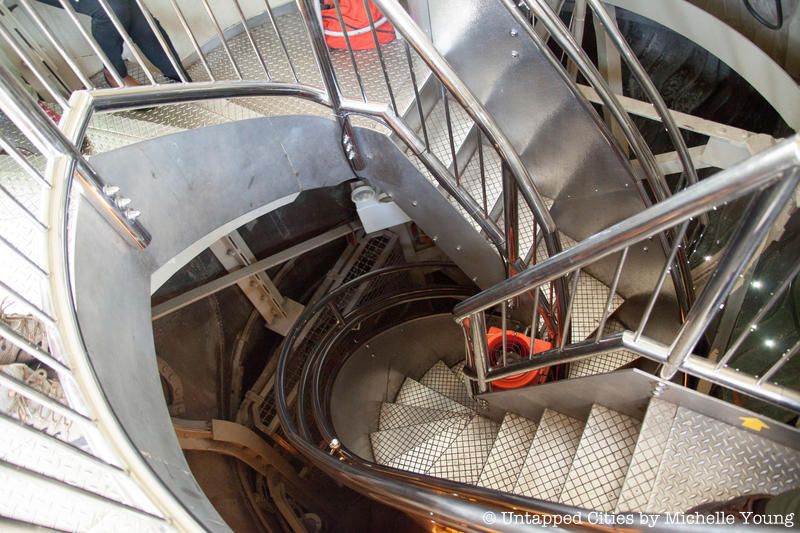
(508, 453)
(414, 393)
(735, 462)
(395, 415)
(441, 379)
(601, 461)
(641, 477)
(607, 362)
(547, 464)
(390, 443)
(464, 459)
(421, 457)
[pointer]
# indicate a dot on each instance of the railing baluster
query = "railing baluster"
(777, 294)
(197, 50)
(41, 226)
(661, 278)
(534, 319)
(510, 218)
(482, 168)
(127, 39)
(417, 98)
(785, 358)
(90, 40)
(250, 38)
(450, 138)
(504, 324)
(477, 327)
(568, 316)
(379, 50)
(612, 291)
(221, 37)
(23, 344)
(48, 34)
(280, 39)
(23, 162)
(350, 52)
(162, 40)
(31, 64)
(31, 308)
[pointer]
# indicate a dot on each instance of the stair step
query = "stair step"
(604, 363)
(420, 458)
(601, 461)
(444, 381)
(508, 453)
(641, 477)
(464, 459)
(395, 415)
(391, 443)
(548, 461)
(734, 462)
(415, 393)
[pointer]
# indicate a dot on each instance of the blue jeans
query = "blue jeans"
(134, 22)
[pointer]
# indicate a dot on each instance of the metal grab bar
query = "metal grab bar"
(735, 182)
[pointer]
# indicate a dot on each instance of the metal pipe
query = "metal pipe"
(127, 39)
(611, 293)
(777, 293)
(573, 293)
(451, 141)
(192, 39)
(32, 308)
(785, 357)
(403, 23)
(562, 36)
(510, 218)
(280, 38)
(221, 36)
(90, 40)
(649, 89)
(480, 346)
(756, 172)
(23, 344)
(661, 278)
(45, 30)
(346, 35)
(23, 162)
(417, 98)
(250, 38)
(482, 168)
(534, 319)
(31, 64)
(504, 328)
(752, 231)
(379, 49)
(165, 45)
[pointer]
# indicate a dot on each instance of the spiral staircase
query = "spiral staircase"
(557, 222)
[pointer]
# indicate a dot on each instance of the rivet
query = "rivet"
(514, 53)
(513, 33)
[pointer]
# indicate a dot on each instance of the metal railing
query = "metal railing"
(770, 178)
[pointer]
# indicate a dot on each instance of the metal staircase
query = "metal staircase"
(608, 461)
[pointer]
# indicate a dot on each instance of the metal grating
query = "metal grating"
(608, 362)
(420, 458)
(390, 443)
(463, 461)
(441, 379)
(508, 453)
(641, 476)
(414, 393)
(546, 467)
(601, 461)
(395, 415)
(706, 460)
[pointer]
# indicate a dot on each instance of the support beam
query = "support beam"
(232, 278)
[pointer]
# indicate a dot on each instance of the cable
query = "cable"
(759, 17)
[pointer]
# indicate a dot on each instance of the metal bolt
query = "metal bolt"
(334, 445)
(458, 248)
(132, 214)
(435, 238)
(513, 32)
(414, 203)
(122, 202)
(110, 190)
(514, 53)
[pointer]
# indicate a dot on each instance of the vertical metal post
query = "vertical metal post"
(221, 36)
(510, 218)
(329, 80)
(127, 39)
(480, 347)
(748, 238)
(90, 40)
(162, 40)
(192, 39)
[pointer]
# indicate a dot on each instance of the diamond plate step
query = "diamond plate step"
(416, 394)
(420, 458)
(605, 363)
(601, 461)
(706, 460)
(548, 461)
(444, 381)
(641, 477)
(464, 459)
(394, 415)
(390, 443)
(508, 453)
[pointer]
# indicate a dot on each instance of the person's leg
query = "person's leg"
(104, 31)
(142, 34)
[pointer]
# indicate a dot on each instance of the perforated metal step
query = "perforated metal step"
(548, 462)
(420, 458)
(601, 461)
(394, 415)
(391, 443)
(464, 459)
(414, 393)
(508, 453)
(444, 381)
